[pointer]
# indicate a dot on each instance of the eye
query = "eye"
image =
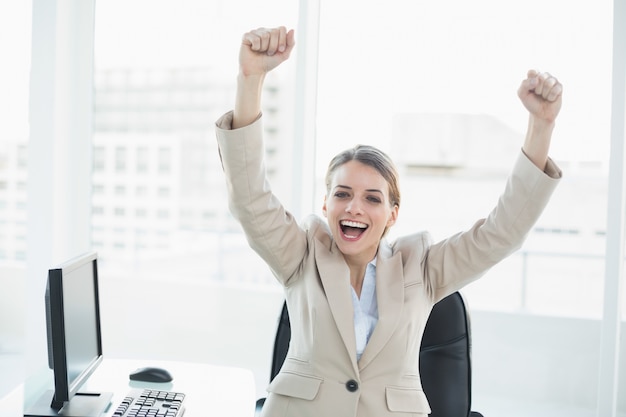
(373, 199)
(341, 194)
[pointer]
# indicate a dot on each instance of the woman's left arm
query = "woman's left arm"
(454, 262)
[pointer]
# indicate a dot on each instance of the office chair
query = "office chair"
(445, 359)
(445, 363)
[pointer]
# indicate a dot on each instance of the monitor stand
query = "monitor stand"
(81, 405)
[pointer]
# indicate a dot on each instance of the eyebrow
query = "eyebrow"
(371, 190)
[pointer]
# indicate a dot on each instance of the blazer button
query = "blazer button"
(352, 385)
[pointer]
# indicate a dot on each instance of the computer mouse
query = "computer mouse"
(150, 374)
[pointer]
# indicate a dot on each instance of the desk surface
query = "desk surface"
(210, 390)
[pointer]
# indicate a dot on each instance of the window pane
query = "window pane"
(15, 37)
(165, 71)
(434, 84)
(15, 42)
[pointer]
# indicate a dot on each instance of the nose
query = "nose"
(353, 207)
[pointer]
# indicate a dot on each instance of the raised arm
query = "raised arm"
(261, 51)
(541, 94)
(456, 261)
(270, 229)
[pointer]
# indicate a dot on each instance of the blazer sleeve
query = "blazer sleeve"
(464, 257)
(270, 230)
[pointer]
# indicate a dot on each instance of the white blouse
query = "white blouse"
(365, 309)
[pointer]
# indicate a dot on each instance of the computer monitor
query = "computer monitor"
(74, 339)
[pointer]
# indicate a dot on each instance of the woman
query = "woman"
(358, 304)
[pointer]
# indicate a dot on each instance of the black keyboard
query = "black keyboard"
(151, 403)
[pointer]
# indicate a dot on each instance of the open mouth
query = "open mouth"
(352, 229)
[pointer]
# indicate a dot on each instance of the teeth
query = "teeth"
(353, 224)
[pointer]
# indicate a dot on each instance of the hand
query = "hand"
(541, 94)
(263, 49)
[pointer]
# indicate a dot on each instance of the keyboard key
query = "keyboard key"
(151, 403)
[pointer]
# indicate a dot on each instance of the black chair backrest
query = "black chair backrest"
(445, 367)
(281, 343)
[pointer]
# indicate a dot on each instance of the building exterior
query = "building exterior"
(13, 199)
(158, 189)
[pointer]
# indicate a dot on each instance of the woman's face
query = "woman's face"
(358, 209)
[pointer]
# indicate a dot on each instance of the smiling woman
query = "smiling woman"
(327, 267)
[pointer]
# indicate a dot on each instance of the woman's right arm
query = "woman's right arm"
(270, 229)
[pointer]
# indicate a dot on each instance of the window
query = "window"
(142, 159)
(141, 191)
(454, 134)
(165, 160)
(120, 159)
(99, 158)
(15, 37)
(435, 85)
(157, 98)
(164, 192)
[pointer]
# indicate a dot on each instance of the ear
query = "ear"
(324, 210)
(393, 216)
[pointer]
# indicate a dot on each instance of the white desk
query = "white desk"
(210, 390)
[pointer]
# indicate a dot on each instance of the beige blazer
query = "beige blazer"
(321, 376)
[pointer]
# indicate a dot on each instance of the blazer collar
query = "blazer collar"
(390, 297)
(335, 276)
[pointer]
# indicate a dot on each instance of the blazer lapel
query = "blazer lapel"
(335, 277)
(390, 297)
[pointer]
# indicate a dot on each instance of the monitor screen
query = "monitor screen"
(73, 319)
